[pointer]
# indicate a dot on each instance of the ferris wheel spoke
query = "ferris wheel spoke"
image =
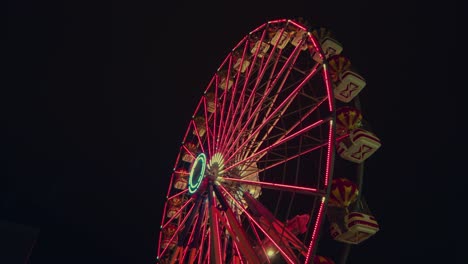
(251, 112)
(233, 93)
(270, 104)
(207, 128)
(191, 235)
(260, 242)
(195, 129)
(242, 103)
(204, 235)
(196, 234)
(291, 128)
(215, 249)
(177, 231)
(268, 118)
(259, 226)
(277, 229)
(177, 213)
(268, 148)
(277, 186)
(235, 229)
(226, 83)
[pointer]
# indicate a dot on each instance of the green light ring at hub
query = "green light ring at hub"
(197, 173)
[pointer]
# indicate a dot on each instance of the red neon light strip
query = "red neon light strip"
(204, 235)
(294, 93)
(297, 25)
(305, 129)
(177, 213)
(240, 103)
(277, 186)
(232, 100)
(184, 252)
(177, 231)
(200, 143)
(207, 132)
(246, 82)
(315, 232)
(177, 194)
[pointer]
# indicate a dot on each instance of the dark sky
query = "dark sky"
(96, 98)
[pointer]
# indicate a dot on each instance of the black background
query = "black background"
(95, 98)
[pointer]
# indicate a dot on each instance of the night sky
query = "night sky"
(96, 97)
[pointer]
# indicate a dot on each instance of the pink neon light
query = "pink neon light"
(315, 232)
(277, 21)
(331, 149)
(231, 107)
(177, 213)
(203, 235)
(184, 252)
(188, 151)
(177, 230)
(277, 186)
(220, 125)
(257, 224)
(258, 28)
(294, 93)
(178, 194)
(296, 24)
(198, 135)
(214, 227)
(260, 241)
(329, 88)
(206, 125)
(291, 158)
(307, 128)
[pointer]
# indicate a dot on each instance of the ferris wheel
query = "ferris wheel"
(253, 179)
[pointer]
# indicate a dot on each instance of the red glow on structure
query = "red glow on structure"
(257, 224)
(297, 25)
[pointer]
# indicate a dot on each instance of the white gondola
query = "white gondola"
(358, 146)
(349, 86)
(358, 227)
(330, 47)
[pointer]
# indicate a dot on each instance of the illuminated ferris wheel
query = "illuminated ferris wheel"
(253, 180)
